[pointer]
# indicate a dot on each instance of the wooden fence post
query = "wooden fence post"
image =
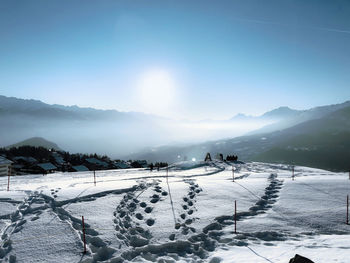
(235, 216)
(8, 178)
(347, 209)
(233, 173)
(94, 178)
(82, 219)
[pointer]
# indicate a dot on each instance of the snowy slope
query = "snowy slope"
(130, 215)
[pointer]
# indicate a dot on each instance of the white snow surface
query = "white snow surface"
(131, 216)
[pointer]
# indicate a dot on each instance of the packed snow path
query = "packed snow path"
(183, 215)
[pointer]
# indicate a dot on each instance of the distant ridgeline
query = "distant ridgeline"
(36, 142)
(318, 137)
(40, 160)
(322, 143)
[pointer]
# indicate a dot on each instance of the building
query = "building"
(58, 159)
(46, 168)
(95, 164)
(24, 160)
(79, 168)
(5, 166)
(139, 164)
(121, 165)
(24, 164)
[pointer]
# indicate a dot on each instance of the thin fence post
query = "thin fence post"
(347, 209)
(171, 199)
(235, 216)
(82, 219)
(233, 173)
(8, 179)
(167, 176)
(94, 178)
(293, 173)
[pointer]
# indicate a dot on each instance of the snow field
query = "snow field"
(141, 216)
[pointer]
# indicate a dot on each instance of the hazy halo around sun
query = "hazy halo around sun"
(156, 91)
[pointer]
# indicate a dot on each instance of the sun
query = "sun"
(156, 91)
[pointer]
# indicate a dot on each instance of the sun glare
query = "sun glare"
(156, 91)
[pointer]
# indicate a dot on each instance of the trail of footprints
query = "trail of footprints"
(131, 215)
(264, 203)
(188, 207)
(31, 208)
(17, 220)
(212, 235)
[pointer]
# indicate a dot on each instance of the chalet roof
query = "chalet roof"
(122, 165)
(47, 166)
(59, 160)
(97, 162)
(80, 168)
(3, 160)
(142, 162)
(25, 158)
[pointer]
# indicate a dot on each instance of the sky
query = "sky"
(178, 59)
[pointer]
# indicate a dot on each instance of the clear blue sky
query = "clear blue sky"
(223, 57)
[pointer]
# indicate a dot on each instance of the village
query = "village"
(39, 160)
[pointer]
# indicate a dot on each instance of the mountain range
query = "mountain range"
(316, 137)
(111, 132)
(76, 129)
(319, 137)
